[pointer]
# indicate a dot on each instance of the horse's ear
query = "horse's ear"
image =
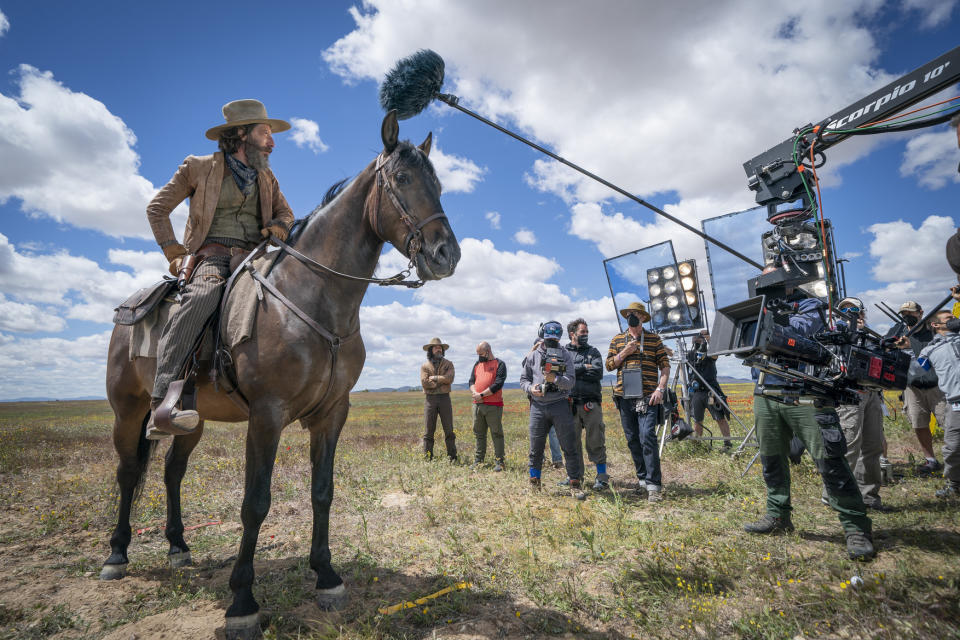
(425, 145)
(390, 131)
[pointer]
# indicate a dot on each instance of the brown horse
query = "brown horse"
(290, 371)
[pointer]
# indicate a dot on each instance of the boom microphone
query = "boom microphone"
(412, 84)
(416, 81)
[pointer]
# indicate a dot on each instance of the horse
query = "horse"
(301, 366)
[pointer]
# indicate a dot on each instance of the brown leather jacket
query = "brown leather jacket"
(199, 178)
(444, 370)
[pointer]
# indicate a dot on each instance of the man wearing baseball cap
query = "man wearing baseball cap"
(235, 202)
(922, 395)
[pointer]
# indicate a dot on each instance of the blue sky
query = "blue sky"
(97, 109)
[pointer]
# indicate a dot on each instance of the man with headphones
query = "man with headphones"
(548, 376)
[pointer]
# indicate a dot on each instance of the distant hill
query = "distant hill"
(42, 399)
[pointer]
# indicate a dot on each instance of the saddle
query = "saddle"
(148, 310)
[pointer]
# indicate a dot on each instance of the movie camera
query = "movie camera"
(552, 365)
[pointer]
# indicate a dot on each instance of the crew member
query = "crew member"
(547, 377)
(818, 427)
(922, 395)
(436, 376)
(862, 426)
(586, 399)
(701, 396)
(235, 202)
(637, 350)
(943, 353)
(486, 384)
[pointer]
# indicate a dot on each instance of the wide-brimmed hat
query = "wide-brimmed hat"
(241, 112)
(436, 342)
(639, 308)
(911, 306)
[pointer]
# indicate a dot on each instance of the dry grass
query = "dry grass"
(403, 527)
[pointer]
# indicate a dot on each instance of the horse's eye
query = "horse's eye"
(402, 178)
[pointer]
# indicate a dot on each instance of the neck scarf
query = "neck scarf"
(243, 175)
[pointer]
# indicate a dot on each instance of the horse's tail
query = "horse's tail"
(145, 450)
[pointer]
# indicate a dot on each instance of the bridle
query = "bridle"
(412, 243)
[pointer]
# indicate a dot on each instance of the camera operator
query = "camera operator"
(639, 350)
(548, 377)
(818, 427)
(922, 395)
(586, 398)
(701, 399)
(862, 426)
(943, 355)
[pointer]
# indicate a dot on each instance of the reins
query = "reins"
(412, 243)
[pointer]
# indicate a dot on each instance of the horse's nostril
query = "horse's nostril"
(441, 256)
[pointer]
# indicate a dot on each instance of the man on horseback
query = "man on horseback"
(235, 202)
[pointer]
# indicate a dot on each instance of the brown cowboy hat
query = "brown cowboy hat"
(639, 308)
(435, 343)
(241, 112)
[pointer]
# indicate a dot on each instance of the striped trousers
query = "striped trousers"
(199, 300)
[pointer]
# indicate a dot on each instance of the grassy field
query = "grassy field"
(402, 528)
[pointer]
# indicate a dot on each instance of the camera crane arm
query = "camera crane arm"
(773, 174)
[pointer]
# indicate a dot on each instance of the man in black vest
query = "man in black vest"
(701, 398)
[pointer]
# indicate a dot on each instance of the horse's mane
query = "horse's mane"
(405, 152)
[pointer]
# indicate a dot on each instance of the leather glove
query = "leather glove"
(174, 254)
(277, 229)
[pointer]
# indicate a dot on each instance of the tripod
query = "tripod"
(680, 377)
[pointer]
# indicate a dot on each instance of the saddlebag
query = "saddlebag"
(136, 307)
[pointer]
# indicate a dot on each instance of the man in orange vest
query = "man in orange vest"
(486, 384)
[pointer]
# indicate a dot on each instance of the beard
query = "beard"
(435, 358)
(257, 157)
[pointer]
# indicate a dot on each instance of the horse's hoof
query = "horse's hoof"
(113, 571)
(180, 560)
(332, 599)
(243, 627)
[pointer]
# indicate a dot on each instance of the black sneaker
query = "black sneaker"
(768, 524)
(600, 485)
(929, 466)
(576, 491)
(558, 464)
(534, 485)
(498, 466)
(860, 546)
(879, 506)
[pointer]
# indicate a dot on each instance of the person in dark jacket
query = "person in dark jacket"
(586, 398)
(701, 398)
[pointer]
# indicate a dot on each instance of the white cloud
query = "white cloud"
(306, 133)
(27, 318)
(932, 158)
(910, 264)
(645, 144)
(53, 367)
(456, 174)
(902, 252)
(493, 217)
(933, 12)
(68, 158)
(525, 236)
(77, 287)
(4, 24)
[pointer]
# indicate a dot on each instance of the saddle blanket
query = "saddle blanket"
(238, 325)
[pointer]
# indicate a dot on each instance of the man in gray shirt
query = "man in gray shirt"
(547, 378)
(943, 354)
